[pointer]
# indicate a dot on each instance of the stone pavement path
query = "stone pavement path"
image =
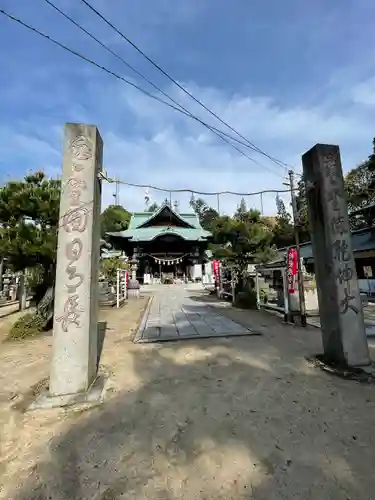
(176, 313)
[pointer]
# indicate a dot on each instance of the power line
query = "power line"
(88, 33)
(128, 82)
(193, 191)
(275, 160)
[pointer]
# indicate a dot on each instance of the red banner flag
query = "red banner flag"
(292, 269)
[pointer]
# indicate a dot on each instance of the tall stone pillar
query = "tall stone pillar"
(341, 313)
(74, 358)
(22, 291)
(1, 273)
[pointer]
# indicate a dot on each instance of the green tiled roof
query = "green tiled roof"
(140, 218)
(150, 233)
(135, 232)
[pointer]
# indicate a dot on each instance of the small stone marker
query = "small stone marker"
(74, 357)
(340, 307)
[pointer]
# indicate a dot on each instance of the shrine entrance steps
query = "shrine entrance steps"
(177, 312)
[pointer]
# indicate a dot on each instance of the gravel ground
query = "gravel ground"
(225, 418)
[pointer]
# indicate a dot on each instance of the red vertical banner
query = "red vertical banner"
(216, 270)
(292, 270)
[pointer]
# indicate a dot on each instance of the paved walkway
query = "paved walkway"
(178, 313)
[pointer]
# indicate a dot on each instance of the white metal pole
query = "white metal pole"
(286, 295)
(257, 289)
(233, 287)
(301, 288)
(118, 289)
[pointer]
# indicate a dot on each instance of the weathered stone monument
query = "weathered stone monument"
(133, 285)
(75, 329)
(341, 313)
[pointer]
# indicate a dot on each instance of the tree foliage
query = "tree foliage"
(302, 213)
(242, 239)
(153, 207)
(114, 218)
(206, 214)
(109, 266)
(283, 232)
(29, 212)
(359, 185)
(360, 194)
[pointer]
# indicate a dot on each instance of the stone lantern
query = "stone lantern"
(133, 285)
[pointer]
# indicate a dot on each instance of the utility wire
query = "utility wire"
(193, 191)
(275, 160)
(128, 82)
(88, 33)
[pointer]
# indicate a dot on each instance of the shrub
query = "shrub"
(247, 299)
(29, 325)
(263, 296)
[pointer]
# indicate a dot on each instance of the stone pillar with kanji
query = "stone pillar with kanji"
(340, 307)
(74, 356)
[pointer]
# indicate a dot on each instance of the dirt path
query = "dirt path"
(238, 418)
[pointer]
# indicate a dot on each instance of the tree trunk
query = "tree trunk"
(45, 306)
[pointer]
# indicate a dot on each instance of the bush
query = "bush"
(29, 325)
(246, 299)
(263, 296)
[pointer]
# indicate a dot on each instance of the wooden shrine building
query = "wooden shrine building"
(167, 245)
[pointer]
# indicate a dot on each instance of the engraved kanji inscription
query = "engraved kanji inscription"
(76, 167)
(345, 303)
(339, 226)
(329, 163)
(341, 251)
(71, 313)
(76, 186)
(73, 253)
(345, 273)
(75, 220)
(334, 196)
(75, 183)
(81, 148)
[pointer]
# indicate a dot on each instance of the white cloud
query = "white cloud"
(174, 152)
(364, 93)
(147, 143)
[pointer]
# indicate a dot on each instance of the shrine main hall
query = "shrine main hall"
(166, 244)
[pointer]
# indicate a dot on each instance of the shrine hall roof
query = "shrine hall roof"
(141, 226)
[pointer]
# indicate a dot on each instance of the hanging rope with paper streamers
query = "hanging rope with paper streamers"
(168, 261)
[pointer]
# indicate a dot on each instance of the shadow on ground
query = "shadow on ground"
(102, 330)
(218, 419)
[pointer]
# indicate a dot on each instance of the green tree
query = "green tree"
(241, 211)
(302, 212)
(29, 213)
(370, 164)
(283, 232)
(114, 218)
(206, 214)
(109, 266)
(199, 206)
(153, 207)
(360, 194)
(241, 242)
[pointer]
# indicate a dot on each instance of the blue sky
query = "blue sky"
(285, 74)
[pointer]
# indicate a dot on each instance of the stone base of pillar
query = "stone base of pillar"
(82, 400)
(133, 289)
(133, 293)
